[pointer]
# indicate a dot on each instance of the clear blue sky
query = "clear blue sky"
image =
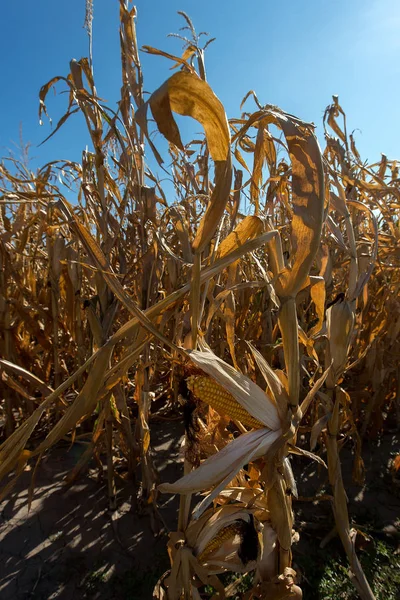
(294, 54)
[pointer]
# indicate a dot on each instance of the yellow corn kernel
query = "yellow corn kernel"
(225, 533)
(210, 392)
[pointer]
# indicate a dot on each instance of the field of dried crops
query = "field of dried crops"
(254, 296)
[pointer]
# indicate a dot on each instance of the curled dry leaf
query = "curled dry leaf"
(188, 95)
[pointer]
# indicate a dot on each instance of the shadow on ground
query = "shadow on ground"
(374, 510)
(70, 546)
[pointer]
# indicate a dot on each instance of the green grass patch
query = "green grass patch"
(326, 573)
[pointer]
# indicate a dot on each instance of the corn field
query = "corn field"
(247, 280)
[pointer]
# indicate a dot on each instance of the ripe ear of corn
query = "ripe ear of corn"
(224, 534)
(209, 391)
(241, 537)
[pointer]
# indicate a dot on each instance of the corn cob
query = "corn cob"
(224, 534)
(210, 392)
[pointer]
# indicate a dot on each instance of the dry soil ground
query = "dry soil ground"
(69, 546)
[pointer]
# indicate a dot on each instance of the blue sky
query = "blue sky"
(294, 54)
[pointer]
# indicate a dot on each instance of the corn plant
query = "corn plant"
(258, 326)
